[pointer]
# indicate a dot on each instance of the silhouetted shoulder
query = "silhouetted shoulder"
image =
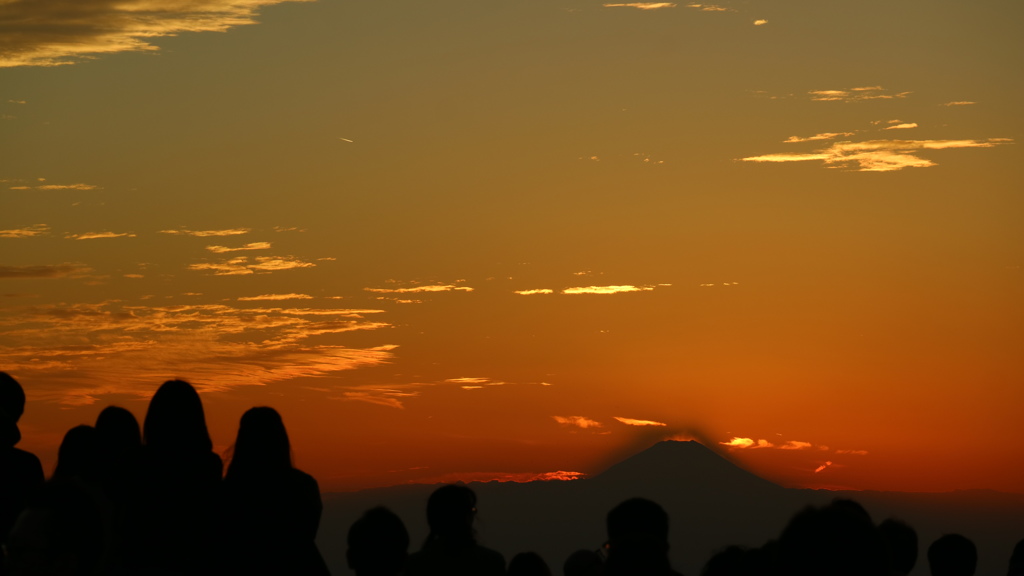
(437, 559)
(20, 474)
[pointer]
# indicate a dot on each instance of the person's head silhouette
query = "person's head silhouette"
(175, 420)
(450, 513)
(638, 537)
(12, 405)
(378, 544)
(952, 555)
(900, 541)
(262, 445)
(78, 454)
(118, 429)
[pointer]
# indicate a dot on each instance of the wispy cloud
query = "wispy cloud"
(46, 271)
(796, 445)
(635, 422)
(26, 232)
(249, 246)
(275, 297)
(959, 103)
(415, 289)
(902, 126)
(577, 421)
(710, 8)
(643, 5)
(738, 442)
(856, 94)
(98, 235)
(243, 265)
(823, 466)
(392, 396)
(58, 33)
(879, 155)
(821, 136)
(535, 291)
(206, 233)
(78, 186)
(606, 289)
(87, 350)
(761, 22)
(854, 452)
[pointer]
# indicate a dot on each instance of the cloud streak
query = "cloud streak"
(26, 232)
(207, 233)
(643, 5)
(856, 94)
(249, 246)
(635, 422)
(878, 155)
(99, 235)
(242, 265)
(419, 289)
(61, 33)
(606, 289)
(577, 421)
(84, 351)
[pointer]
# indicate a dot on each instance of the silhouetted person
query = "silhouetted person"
(900, 541)
(738, 561)
(62, 532)
(583, 563)
(78, 455)
(270, 510)
(837, 540)
(179, 478)
(528, 564)
(1017, 560)
(20, 471)
(952, 555)
(119, 448)
(378, 544)
(638, 540)
(451, 548)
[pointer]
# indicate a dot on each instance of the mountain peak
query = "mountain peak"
(687, 464)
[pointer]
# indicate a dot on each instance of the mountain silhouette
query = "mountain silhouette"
(685, 464)
(712, 503)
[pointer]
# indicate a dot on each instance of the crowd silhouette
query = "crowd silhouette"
(157, 501)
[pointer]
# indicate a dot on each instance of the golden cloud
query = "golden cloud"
(761, 22)
(249, 246)
(902, 126)
(242, 265)
(710, 8)
(635, 422)
(431, 288)
(275, 297)
(26, 232)
(879, 155)
(60, 33)
(606, 289)
(578, 421)
(821, 136)
(855, 94)
(96, 235)
(206, 233)
(535, 291)
(87, 350)
(643, 5)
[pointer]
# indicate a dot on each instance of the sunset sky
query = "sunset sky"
(497, 239)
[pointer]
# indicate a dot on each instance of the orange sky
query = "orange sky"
(491, 238)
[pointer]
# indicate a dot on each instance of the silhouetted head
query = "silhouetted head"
(175, 419)
(118, 429)
(952, 555)
(1017, 560)
(838, 539)
(583, 563)
(378, 544)
(262, 445)
(12, 404)
(450, 513)
(78, 454)
(637, 536)
(900, 541)
(528, 564)
(12, 397)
